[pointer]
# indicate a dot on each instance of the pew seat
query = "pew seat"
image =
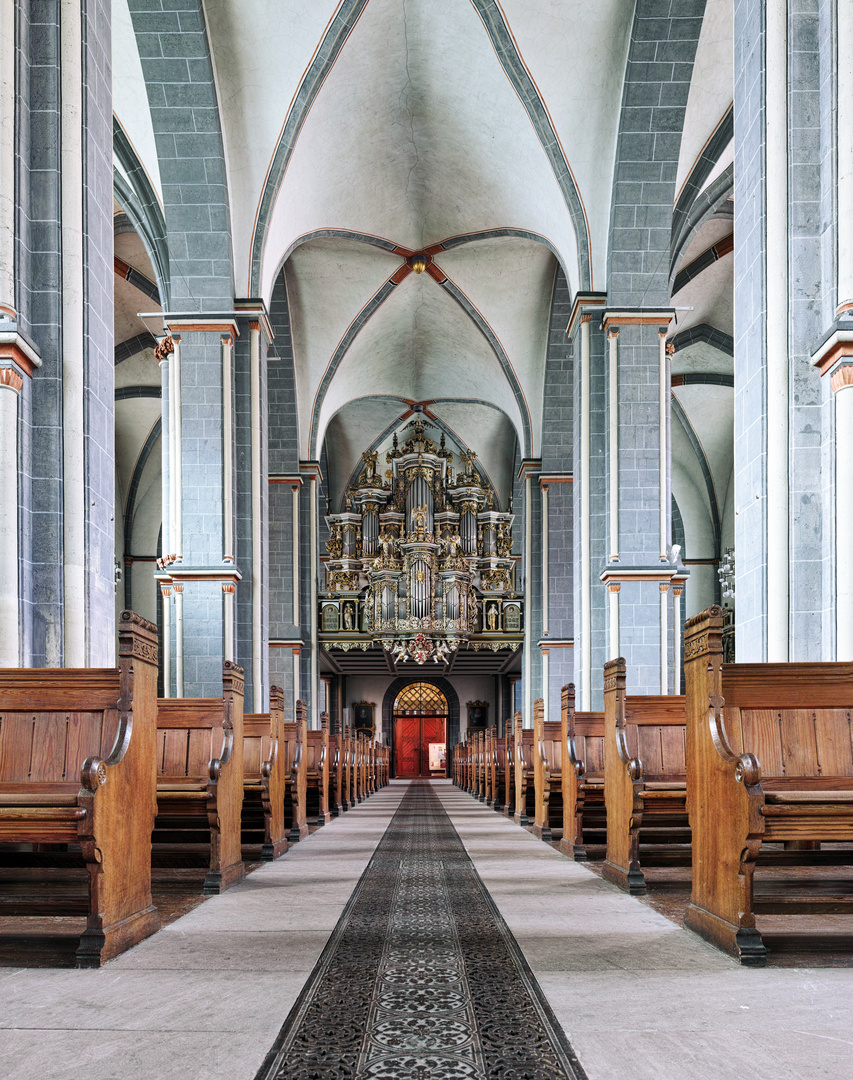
(548, 774)
(644, 780)
(77, 773)
(264, 780)
(769, 774)
(525, 793)
(584, 808)
(200, 783)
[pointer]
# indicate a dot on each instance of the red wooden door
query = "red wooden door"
(413, 736)
(407, 746)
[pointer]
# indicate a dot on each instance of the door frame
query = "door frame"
(452, 718)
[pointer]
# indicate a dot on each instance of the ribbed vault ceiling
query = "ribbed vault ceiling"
(354, 127)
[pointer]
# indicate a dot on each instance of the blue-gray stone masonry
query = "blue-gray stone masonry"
(657, 81)
(175, 54)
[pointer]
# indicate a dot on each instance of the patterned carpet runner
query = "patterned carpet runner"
(421, 977)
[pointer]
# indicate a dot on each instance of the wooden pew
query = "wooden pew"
(200, 781)
(457, 764)
(499, 770)
(507, 779)
(358, 767)
(353, 769)
(464, 764)
(264, 779)
(769, 761)
(480, 786)
(296, 773)
(78, 767)
(645, 784)
(386, 763)
(346, 767)
(370, 747)
(317, 773)
(491, 766)
(584, 813)
(336, 774)
(524, 784)
(547, 773)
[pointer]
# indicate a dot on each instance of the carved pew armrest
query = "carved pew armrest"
(577, 763)
(93, 773)
(747, 768)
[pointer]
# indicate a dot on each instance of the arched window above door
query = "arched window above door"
(420, 699)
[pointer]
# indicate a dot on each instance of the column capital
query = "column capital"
(165, 347)
(833, 351)
(618, 317)
(581, 306)
(10, 378)
(310, 470)
(14, 347)
(529, 467)
(199, 323)
(842, 377)
(255, 310)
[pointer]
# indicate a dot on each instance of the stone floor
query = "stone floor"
(637, 995)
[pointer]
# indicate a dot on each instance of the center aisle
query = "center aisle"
(421, 978)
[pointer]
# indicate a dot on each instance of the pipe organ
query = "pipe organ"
(420, 560)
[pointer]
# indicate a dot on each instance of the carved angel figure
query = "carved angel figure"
(420, 515)
(469, 457)
(452, 545)
(333, 544)
(370, 458)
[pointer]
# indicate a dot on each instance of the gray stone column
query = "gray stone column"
(638, 503)
(62, 311)
(661, 52)
(201, 471)
(788, 281)
(589, 498)
(531, 532)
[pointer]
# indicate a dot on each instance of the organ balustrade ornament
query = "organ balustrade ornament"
(420, 561)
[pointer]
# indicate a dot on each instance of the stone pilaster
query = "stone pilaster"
(200, 492)
(589, 498)
(531, 526)
(638, 496)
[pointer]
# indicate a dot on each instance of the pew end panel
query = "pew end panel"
(547, 773)
(524, 792)
(572, 779)
(78, 766)
(225, 789)
(200, 781)
(769, 760)
(644, 778)
(317, 773)
(724, 816)
(264, 779)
